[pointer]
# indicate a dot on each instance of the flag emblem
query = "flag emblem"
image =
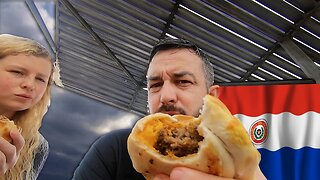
(259, 131)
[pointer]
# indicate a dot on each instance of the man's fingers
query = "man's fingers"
(17, 140)
(161, 177)
(181, 173)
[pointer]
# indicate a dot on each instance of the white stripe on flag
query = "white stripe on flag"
(288, 130)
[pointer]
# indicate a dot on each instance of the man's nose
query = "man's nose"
(168, 94)
(28, 83)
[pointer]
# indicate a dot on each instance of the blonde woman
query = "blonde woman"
(25, 81)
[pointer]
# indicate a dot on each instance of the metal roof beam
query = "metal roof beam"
(305, 63)
(284, 38)
(170, 19)
(246, 18)
(164, 31)
(36, 15)
(97, 38)
(273, 82)
(304, 18)
(260, 62)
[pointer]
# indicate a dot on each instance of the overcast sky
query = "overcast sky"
(73, 121)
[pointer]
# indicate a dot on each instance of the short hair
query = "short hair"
(170, 43)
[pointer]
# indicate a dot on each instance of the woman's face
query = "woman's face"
(23, 81)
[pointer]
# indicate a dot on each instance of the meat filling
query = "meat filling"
(179, 141)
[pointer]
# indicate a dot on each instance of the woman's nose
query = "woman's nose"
(28, 83)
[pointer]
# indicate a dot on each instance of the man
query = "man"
(178, 78)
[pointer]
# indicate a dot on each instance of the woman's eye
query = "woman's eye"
(17, 72)
(41, 80)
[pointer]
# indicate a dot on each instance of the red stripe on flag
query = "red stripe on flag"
(256, 100)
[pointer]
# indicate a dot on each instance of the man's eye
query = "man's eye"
(155, 85)
(184, 82)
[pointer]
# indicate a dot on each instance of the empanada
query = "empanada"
(5, 127)
(215, 143)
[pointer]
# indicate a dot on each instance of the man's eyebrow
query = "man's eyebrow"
(153, 78)
(183, 73)
(175, 75)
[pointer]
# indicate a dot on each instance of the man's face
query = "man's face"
(176, 82)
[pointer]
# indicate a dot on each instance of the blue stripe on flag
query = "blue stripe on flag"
(288, 163)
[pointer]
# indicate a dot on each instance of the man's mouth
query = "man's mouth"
(171, 110)
(171, 113)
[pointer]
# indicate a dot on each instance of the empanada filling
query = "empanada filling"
(178, 141)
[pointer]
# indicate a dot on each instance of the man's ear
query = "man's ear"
(213, 90)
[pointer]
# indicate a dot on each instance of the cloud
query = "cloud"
(44, 10)
(15, 18)
(80, 120)
(117, 122)
(92, 117)
(57, 91)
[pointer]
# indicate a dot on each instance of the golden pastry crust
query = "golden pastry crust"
(6, 125)
(235, 138)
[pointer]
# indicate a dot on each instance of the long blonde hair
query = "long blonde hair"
(29, 120)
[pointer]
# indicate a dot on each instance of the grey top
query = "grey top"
(41, 157)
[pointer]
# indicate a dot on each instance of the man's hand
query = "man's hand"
(182, 173)
(9, 153)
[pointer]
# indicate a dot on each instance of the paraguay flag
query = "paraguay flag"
(283, 121)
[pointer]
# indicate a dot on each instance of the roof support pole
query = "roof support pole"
(34, 11)
(305, 63)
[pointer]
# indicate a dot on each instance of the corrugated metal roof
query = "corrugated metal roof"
(103, 46)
